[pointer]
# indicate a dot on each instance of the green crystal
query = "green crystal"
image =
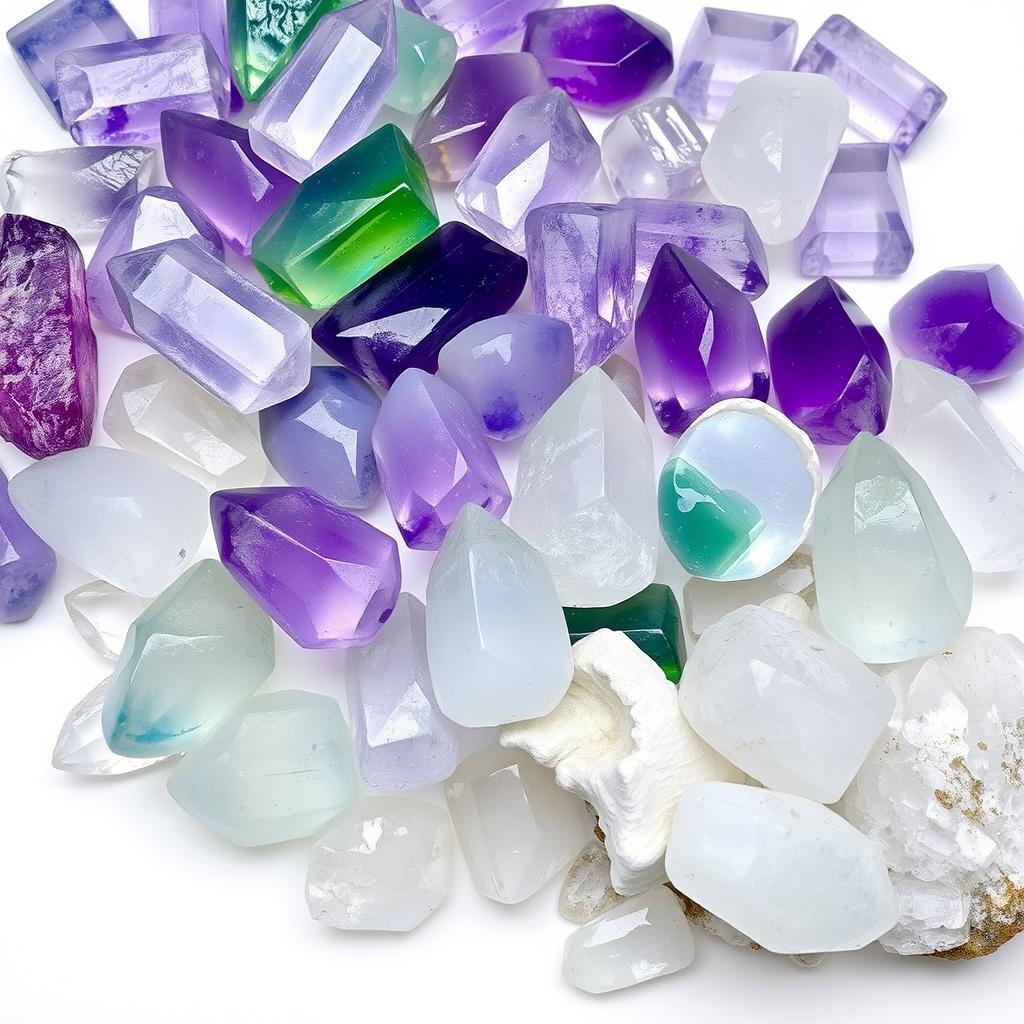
(426, 57)
(349, 220)
(650, 619)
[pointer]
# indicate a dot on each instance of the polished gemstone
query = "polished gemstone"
(426, 57)
(27, 564)
(626, 377)
(587, 891)
(102, 614)
(478, 24)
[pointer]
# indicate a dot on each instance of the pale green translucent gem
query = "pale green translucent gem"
(426, 56)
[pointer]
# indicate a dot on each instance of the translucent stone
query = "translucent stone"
(478, 24)
(516, 828)
(383, 865)
(497, 642)
(626, 377)
(643, 938)
(102, 615)
(27, 564)
(426, 56)
(279, 768)
(584, 496)
(587, 890)
(893, 582)
(933, 918)
(119, 516)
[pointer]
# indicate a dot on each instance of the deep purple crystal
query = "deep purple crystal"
(27, 564)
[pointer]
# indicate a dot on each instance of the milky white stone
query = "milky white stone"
(789, 873)
(587, 890)
(619, 740)
(774, 147)
(794, 710)
(119, 516)
(383, 865)
(102, 614)
(585, 494)
(643, 938)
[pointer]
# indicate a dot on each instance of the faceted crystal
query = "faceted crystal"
(433, 458)
(890, 101)
(349, 220)
(330, 92)
(829, 365)
(625, 376)
(403, 315)
(383, 865)
(497, 644)
(325, 576)
(697, 340)
(238, 342)
(192, 657)
(583, 269)
(278, 768)
(26, 564)
(77, 188)
(102, 615)
(478, 24)
(893, 582)
(426, 57)
(117, 515)
(773, 150)
(114, 94)
(587, 890)
(47, 345)
(320, 439)
(584, 496)
(602, 56)
(540, 153)
(510, 369)
(516, 828)
(155, 410)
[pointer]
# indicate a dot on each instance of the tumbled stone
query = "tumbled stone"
(478, 24)
(426, 57)
(27, 564)
(626, 377)
(102, 615)
(587, 891)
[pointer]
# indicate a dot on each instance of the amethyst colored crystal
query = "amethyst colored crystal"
(433, 458)
(697, 340)
(27, 564)
(47, 345)
(968, 321)
(478, 24)
(830, 367)
(602, 56)
(408, 311)
(325, 576)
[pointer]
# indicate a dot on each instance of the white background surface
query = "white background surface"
(116, 907)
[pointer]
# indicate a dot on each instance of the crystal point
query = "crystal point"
(26, 566)
(102, 615)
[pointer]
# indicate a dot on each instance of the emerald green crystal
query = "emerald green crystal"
(426, 57)
(650, 619)
(349, 220)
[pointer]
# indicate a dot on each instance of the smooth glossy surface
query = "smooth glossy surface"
(426, 56)
(27, 564)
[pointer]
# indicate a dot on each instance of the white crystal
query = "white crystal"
(102, 614)
(587, 890)
(933, 916)
(626, 378)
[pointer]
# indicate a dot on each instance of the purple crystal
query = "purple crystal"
(583, 270)
(830, 367)
(602, 56)
(725, 48)
(27, 564)
(968, 321)
(889, 100)
(325, 576)
(211, 163)
(114, 94)
(478, 24)
(433, 458)
(697, 340)
(408, 311)
(154, 215)
(47, 345)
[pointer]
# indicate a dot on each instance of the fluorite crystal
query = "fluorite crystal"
(725, 48)
(426, 57)
(102, 614)
(737, 494)
(587, 890)
(117, 515)
(238, 342)
(325, 576)
(516, 828)
(540, 153)
(114, 94)
(155, 410)
(697, 340)
(604, 57)
(893, 582)
(77, 188)
(27, 564)
(192, 657)
(829, 365)
(349, 220)
(583, 269)
(772, 152)
(584, 496)
(890, 101)
(320, 439)
(278, 768)
(403, 315)
(481, 90)
(433, 458)
(968, 321)
(497, 644)
(478, 24)
(625, 376)
(47, 345)
(383, 865)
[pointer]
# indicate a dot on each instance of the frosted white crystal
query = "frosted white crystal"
(626, 378)
(587, 890)
(932, 916)
(102, 614)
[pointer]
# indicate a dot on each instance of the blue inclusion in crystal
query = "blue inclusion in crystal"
(502, 416)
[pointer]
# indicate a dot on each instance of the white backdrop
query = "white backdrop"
(115, 907)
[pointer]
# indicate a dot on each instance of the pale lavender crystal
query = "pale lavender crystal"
(27, 564)
(479, 24)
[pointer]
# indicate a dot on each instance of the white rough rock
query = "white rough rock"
(587, 891)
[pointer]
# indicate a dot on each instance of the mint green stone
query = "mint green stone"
(426, 57)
